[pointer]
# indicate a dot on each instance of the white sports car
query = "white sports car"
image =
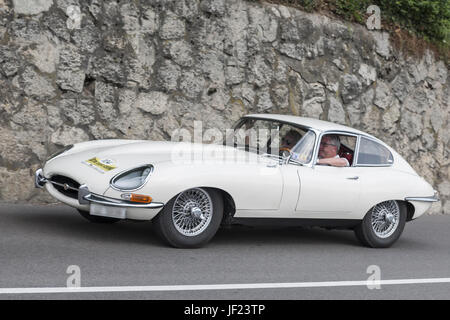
(305, 171)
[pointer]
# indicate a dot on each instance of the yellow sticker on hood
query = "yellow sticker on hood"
(105, 164)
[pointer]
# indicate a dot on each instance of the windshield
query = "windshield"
(274, 138)
(303, 150)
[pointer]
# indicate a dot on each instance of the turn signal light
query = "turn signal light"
(137, 198)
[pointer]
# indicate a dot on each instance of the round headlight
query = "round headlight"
(132, 179)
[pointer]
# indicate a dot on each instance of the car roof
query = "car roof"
(308, 122)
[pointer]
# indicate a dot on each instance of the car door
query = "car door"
(328, 192)
(259, 186)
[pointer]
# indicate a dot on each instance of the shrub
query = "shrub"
(428, 18)
(351, 10)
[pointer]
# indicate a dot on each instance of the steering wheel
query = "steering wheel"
(284, 151)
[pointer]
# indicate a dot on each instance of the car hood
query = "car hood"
(95, 163)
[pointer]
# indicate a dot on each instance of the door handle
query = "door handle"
(272, 165)
(353, 178)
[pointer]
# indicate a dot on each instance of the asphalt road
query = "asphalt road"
(38, 243)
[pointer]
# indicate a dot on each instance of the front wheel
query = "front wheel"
(382, 225)
(191, 218)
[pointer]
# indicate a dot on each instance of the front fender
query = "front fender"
(252, 186)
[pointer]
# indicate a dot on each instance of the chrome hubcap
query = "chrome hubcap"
(390, 218)
(385, 218)
(196, 212)
(192, 212)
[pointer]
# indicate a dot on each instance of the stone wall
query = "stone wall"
(140, 69)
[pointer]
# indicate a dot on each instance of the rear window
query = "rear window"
(373, 153)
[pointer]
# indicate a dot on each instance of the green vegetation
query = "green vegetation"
(428, 19)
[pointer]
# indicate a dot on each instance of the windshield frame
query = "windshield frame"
(302, 127)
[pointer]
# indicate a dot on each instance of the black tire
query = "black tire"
(168, 232)
(97, 219)
(366, 234)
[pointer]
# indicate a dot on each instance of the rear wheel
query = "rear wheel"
(191, 218)
(382, 225)
(96, 219)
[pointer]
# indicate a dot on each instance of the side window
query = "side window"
(373, 153)
(337, 146)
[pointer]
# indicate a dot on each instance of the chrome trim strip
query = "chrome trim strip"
(65, 186)
(39, 179)
(95, 198)
(111, 182)
(273, 120)
(433, 198)
(356, 151)
(82, 192)
(374, 165)
(341, 132)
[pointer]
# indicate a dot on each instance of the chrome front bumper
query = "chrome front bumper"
(39, 179)
(87, 197)
(433, 198)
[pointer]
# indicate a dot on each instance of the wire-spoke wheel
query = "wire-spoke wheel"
(192, 212)
(382, 225)
(385, 218)
(191, 218)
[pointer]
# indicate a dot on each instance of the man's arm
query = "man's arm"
(335, 162)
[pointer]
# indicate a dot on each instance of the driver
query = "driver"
(328, 152)
(289, 140)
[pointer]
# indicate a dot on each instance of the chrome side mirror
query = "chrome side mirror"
(286, 156)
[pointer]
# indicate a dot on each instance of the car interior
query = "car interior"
(347, 153)
(348, 143)
(347, 149)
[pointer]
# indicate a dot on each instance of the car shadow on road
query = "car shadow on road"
(62, 222)
(66, 222)
(282, 235)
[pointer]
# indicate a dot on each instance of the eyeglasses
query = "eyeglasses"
(327, 144)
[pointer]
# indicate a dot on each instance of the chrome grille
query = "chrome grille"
(65, 185)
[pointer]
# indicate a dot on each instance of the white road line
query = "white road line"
(236, 286)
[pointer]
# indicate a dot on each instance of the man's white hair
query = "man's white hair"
(334, 140)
